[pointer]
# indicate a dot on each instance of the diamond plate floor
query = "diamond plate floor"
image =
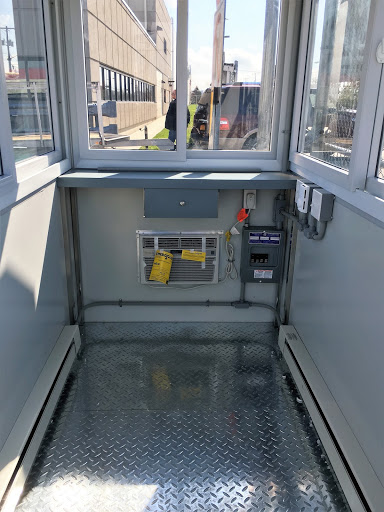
(180, 417)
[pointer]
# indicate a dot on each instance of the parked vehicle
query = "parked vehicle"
(238, 119)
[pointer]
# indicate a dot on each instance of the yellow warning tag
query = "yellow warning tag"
(161, 267)
(193, 256)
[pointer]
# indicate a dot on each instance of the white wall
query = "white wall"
(33, 297)
(108, 221)
(337, 309)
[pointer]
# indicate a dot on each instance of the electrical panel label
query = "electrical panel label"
(264, 238)
(161, 267)
(193, 256)
(263, 274)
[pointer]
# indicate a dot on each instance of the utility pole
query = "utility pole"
(217, 73)
(8, 43)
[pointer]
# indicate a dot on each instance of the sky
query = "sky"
(245, 28)
(6, 20)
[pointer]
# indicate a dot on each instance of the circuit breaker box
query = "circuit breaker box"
(262, 255)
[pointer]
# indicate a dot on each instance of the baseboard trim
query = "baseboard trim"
(24, 440)
(359, 481)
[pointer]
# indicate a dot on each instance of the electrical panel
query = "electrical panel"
(262, 255)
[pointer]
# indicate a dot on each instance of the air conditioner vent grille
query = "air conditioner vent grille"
(196, 243)
(185, 271)
(182, 271)
(163, 243)
(179, 243)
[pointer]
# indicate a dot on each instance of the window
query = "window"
(107, 82)
(253, 80)
(128, 53)
(25, 66)
(124, 87)
(337, 130)
(380, 167)
(165, 45)
(333, 81)
(235, 109)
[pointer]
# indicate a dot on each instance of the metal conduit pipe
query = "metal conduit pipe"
(310, 230)
(289, 215)
(321, 226)
(207, 303)
(302, 219)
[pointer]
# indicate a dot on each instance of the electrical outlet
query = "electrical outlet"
(249, 199)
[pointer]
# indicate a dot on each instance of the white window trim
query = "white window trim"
(362, 200)
(8, 176)
(275, 160)
(362, 141)
(25, 168)
(375, 185)
(22, 179)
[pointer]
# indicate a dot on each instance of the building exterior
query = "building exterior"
(128, 49)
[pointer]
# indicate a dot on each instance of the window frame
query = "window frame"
(374, 184)
(274, 160)
(16, 172)
(22, 179)
(363, 139)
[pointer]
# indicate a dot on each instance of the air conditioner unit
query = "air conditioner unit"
(183, 272)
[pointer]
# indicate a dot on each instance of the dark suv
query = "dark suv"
(238, 119)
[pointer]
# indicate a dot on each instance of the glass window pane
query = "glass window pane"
(334, 76)
(118, 87)
(380, 168)
(107, 77)
(232, 62)
(26, 75)
(127, 39)
(113, 86)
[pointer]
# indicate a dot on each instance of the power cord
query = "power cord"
(230, 268)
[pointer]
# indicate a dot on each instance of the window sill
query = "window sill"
(79, 178)
(12, 192)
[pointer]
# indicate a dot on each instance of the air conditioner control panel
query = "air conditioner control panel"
(262, 255)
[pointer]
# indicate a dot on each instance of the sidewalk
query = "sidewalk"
(154, 127)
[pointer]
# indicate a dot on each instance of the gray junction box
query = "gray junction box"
(262, 255)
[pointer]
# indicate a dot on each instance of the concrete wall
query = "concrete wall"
(109, 219)
(337, 308)
(33, 297)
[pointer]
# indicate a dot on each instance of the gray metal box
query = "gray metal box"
(322, 205)
(262, 255)
(180, 203)
(303, 195)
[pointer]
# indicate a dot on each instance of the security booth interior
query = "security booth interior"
(191, 240)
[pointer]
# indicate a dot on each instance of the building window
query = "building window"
(165, 46)
(118, 87)
(107, 80)
(113, 85)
